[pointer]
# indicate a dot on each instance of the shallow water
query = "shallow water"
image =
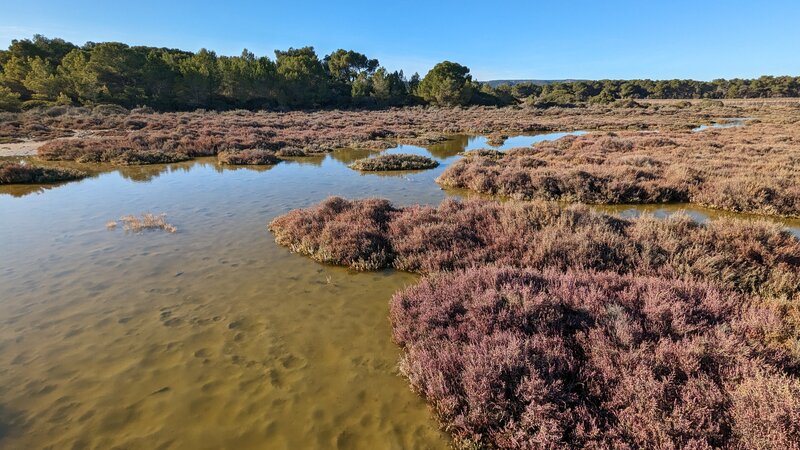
(213, 337)
(732, 122)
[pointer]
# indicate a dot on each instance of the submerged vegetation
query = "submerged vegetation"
(398, 161)
(16, 173)
(147, 221)
(520, 359)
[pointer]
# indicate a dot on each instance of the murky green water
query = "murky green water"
(213, 337)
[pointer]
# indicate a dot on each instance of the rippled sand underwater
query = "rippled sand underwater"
(212, 337)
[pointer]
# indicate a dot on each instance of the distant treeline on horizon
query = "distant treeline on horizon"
(46, 72)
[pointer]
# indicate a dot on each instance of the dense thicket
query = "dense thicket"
(41, 71)
(753, 257)
(523, 359)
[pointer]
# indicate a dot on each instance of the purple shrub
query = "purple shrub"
(251, 156)
(338, 231)
(16, 173)
(518, 358)
(746, 256)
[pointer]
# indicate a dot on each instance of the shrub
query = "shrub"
(629, 167)
(399, 161)
(518, 359)
(105, 109)
(249, 156)
(115, 150)
(753, 257)
(338, 232)
(15, 173)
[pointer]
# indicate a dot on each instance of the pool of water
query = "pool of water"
(213, 337)
(732, 122)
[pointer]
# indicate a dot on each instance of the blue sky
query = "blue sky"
(511, 39)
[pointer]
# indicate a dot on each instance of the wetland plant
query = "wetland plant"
(18, 173)
(248, 157)
(401, 161)
(147, 221)
(748, 256)
(520, 358)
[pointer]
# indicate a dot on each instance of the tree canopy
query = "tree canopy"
(448, 83)
(43, 72)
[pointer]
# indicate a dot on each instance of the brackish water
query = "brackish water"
(213, 337)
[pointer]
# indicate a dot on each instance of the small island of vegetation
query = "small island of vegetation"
(16, 173)
(397, 161)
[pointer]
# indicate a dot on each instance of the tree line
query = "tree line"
(45, 72)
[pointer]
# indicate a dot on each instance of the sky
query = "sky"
(599, 39)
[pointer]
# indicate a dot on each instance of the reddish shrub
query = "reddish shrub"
(747, 256)
(394, 162)
(248, 156)
(749, 169)
(339, 232)
(15, 173)
(517, 358)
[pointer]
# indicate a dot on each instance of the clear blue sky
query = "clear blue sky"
(501, 39)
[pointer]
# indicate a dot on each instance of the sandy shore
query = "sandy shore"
(25, 148)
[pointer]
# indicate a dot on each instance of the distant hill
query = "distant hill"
(495, 83)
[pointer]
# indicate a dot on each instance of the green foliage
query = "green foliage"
(448, 83)
(9, 100)
(42, 71)
(303, 78)
(389, 87)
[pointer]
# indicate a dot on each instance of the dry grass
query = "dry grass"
(147, 221)
(400, 161)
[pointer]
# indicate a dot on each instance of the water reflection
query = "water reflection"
(731, 122)
(696, 212)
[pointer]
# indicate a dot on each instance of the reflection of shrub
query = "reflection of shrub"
(517, 358)
(754, 257)
(15, 173)
(394, 162)
(248, 156)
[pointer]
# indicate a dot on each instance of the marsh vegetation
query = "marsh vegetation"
(522, 323)
(396, 161)
(16, 173)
